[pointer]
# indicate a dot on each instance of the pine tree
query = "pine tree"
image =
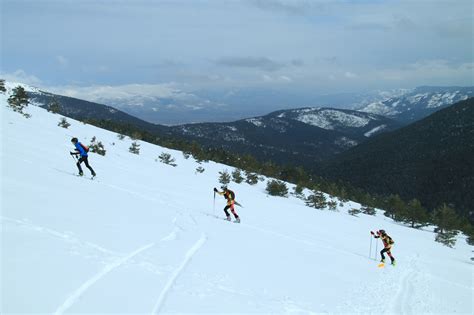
(446, 220)
(134, 148)
(64, 123)
(186, 155)
(368, 210)
(332, 205)
(251, 178)
(54, 106)
(224, 177)
(395, 207)
(19, 99)
(237, 176)
(298, 191)
(354, 211)
(415, 214)
(166, 158)
(97, 147)
(316, 200)
(2, 86)
(277, 188)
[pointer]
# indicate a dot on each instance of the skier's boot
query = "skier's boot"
(228, 218)
(81, 173)
(93, 174)
(393, 262)
(382, 261)
(237, 220)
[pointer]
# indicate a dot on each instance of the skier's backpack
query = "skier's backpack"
(86, 148)
(231, 194)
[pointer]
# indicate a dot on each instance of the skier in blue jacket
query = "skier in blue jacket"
(83, 153)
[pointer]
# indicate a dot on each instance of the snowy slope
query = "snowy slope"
(143, 237)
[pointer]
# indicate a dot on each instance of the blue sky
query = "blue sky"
(328, 46)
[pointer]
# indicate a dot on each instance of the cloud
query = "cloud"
(290, 7)
(439, 72)
(276, 79)
(297, 62)
(350, 75)
(128, 92)
(21, 76)
(63, 61)
(261, 63)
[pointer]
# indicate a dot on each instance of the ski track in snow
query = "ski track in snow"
(67, 237)
(86, 285)
(187, 258)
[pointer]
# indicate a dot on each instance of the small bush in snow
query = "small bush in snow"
(298, 191)
(252, 178)
(54, 106)
(224, 177)
(120, 136)
(200, 170)
(316, 200)
(63, 123)
(186, 155)
(354, 211)
(166, 158)
(134, 148)
(368, 210)
(277, 188)
(237, 176)
(97, 147)
(332, 205)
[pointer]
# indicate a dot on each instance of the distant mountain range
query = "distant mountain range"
(300, 136)
(431, 159)
(418, 103)
(172, 106)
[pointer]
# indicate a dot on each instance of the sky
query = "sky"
(160, 47)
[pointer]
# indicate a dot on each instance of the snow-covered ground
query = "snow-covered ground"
(144, 237)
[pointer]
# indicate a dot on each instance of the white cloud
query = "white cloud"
(350, 75)
(276, 78)
(138, 92)
(22, 77)
(63, 61)
(439, 71)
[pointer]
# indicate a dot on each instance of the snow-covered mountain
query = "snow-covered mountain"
(418, 103)
(290, 136)
(146, 237)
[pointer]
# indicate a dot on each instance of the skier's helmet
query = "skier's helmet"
(224, 187)
(382, 232)
(74, 140)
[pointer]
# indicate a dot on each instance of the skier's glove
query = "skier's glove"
(215, 189)
(372, 233)
(71, 153)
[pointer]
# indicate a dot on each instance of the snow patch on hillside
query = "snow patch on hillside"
(375, 130)
(328, 118)
(255, 121)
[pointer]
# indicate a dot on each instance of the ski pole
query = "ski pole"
(376, 248)
(370, 250)
(214, 204)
